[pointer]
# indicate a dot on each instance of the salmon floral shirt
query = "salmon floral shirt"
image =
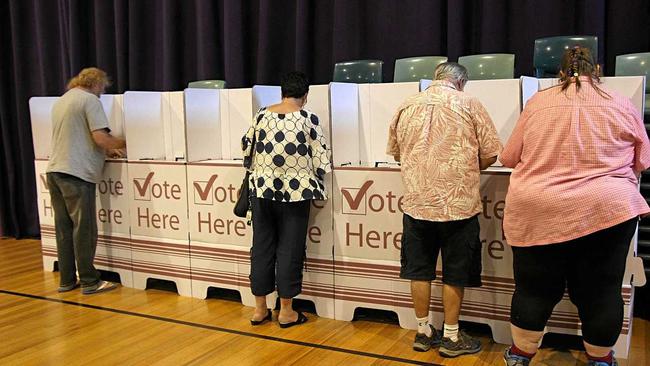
(439, 135)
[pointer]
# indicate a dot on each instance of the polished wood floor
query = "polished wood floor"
(39, 326)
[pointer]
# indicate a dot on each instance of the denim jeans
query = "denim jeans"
(73, 201)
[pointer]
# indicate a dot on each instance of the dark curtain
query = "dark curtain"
(163, 44)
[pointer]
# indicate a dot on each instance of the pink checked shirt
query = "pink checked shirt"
(576, 158)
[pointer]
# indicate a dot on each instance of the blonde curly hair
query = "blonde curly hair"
(89, 77)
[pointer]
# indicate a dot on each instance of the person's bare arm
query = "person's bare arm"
(486, 162)
(107, 141)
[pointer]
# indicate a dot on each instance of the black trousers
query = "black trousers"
(279, 245)
(591, 267)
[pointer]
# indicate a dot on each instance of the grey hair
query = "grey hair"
(451, 71)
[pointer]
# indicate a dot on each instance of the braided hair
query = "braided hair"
(576, 62)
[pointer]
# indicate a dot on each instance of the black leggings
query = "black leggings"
(279, 244)
(591, 267)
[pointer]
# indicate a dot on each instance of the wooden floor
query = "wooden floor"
(39, 326)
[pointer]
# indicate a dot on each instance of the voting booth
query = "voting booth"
(318, 276)
(113, 246)
(367, 208)
(166, 212)
(220, 242)
(157, 188)
(367, 218)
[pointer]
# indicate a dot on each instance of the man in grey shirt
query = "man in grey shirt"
(80, 141)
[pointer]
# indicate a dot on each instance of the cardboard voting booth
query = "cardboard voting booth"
(318, 276)
(157, 188)
(167, 212)
(219, 241)
(361, 114)
(113, 243)
(367, 219)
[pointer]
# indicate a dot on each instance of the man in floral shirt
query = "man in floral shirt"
(443, 137)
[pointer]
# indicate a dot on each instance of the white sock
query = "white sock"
(451, 332)
(423, 326)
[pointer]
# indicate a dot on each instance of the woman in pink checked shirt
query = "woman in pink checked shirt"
(573, 206)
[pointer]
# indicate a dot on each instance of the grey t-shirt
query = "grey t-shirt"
(74, 116)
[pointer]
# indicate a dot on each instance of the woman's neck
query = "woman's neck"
(287, 105)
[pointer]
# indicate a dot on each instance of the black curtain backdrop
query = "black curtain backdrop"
(163, 44)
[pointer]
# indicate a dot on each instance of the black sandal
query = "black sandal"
(268, 317)
(301, 319)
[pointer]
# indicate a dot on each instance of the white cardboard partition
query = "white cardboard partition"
(346, 129)
(502, 100)
(113, 105)
(265, 95)
(529, 86)
(40, 112)
(154, 122)
(237, 109)
(203, 124)
(318, 102)
(174, 119)
(143, 119)
(360, 117)
(378, 104)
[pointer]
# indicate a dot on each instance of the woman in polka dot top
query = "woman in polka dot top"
(290, 160)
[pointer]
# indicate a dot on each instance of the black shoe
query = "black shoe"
(463, 346)
(301, 319)
(268, 317)
(422, 343)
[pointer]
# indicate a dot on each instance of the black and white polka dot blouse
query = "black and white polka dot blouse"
(290, 157)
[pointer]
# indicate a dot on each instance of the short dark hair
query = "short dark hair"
(294, 85)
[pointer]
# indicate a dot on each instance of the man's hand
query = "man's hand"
(107, 141)
(116, 153)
